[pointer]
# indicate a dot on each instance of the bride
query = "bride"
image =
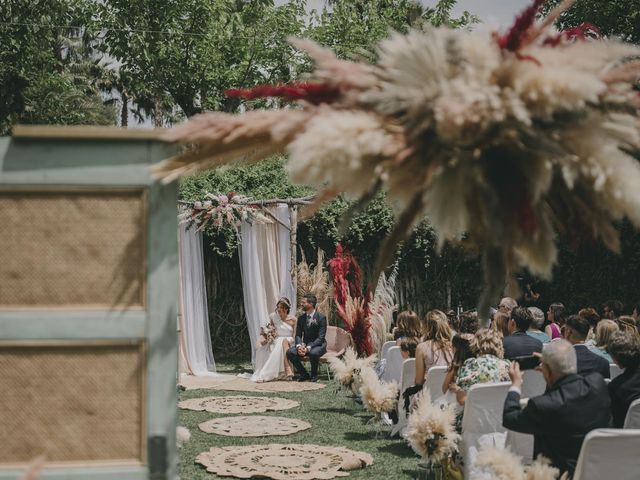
(275, 340)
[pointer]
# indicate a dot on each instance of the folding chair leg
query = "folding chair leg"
(326, 366)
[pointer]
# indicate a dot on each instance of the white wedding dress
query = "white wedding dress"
(270, 358)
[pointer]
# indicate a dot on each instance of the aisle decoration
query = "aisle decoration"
(506, 139)
(221, 211)
(316, 281)
(382, 307)
(351, 305)
(237, 404)
(378, 397)
(431, 433)
(494, 463)
(347, 370)
(253, 426)
(283, 462)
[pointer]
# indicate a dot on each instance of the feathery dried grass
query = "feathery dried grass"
(430, 430)
(377, 396)
(316, 281)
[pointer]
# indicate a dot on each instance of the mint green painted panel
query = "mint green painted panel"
(65, 325)
(104, 473)
(113, 163)
(82, 162)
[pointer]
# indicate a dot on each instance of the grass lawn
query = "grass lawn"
(335, 418)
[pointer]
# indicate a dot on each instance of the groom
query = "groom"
(311, 329)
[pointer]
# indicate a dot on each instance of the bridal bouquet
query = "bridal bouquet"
(268, 333)
(506, 139)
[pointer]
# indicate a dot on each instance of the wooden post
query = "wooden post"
(293, 236)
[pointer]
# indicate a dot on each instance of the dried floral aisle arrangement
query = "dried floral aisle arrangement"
(352, 304)
(505, 139)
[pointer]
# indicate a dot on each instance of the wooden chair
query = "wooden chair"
(337, 340)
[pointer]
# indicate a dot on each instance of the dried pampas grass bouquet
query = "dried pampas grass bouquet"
(505, 139)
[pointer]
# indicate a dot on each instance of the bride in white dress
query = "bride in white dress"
(277, 337)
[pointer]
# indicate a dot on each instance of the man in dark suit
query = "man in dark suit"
(576, 330)
(311, 329)
(559, 419)
(519, 343)
(624, 348)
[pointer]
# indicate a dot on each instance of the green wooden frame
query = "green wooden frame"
(101, 157)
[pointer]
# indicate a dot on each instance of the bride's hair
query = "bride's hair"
(284, 301)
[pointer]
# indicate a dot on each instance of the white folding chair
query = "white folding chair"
(521, 444)
(614, 370)
(385, 349)
(609, 453)
(482, 420)
(393, 369)
(533, 383)
(407, 378)
(434, 380)
(632, 420)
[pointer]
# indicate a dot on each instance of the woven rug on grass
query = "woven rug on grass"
(237, 404)
(283, 462)
(253, 426)
(237, 384)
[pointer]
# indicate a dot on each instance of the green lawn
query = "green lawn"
(335, 418)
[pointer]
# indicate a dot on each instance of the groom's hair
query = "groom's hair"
(311, 298)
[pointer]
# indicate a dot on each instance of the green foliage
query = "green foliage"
(612, 17)
(47, 73)
(589, 274)
(353, 28)
(187, 53)
(264, 180)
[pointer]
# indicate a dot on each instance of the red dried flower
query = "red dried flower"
(512, 40)
(581, 32)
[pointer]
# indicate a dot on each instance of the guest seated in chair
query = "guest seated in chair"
(311, 329)
(518, 343)
(576, 330)
(487, 366)
(535, 330)
(624, 348)
(559, 419)
(436, 350)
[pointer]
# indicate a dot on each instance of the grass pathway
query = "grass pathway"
(335, 418)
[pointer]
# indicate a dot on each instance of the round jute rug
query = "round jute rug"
(283, 462)
(189, 382)
(253, 426)
(237, 404)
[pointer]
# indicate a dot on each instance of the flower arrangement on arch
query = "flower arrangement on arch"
(219, 210)
(508, 138)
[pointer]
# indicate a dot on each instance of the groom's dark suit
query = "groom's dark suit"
(311, 332)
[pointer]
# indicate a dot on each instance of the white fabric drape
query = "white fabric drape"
(265, 264)
(195, 338)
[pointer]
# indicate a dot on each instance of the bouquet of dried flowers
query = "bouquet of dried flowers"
(220, 211)
(508, 138)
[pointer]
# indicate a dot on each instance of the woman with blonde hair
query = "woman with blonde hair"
(501, 323)
(627, 324)
(437, 349)
(604, 331)
(408, 326)
(487, 366)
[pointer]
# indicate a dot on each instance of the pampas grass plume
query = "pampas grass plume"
(183, 435)
(377, 396)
